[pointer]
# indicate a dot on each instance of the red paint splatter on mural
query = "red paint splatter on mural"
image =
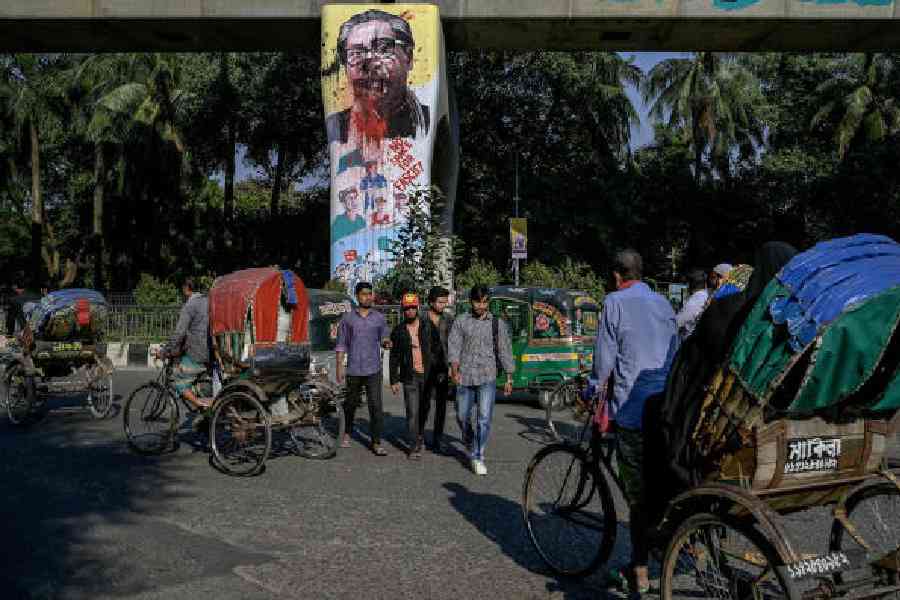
(368, 125)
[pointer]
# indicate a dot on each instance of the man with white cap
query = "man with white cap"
(718, 275)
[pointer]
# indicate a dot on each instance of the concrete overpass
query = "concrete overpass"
(725, 25)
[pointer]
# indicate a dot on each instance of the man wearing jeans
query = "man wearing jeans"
(362, 333)
(475, 348)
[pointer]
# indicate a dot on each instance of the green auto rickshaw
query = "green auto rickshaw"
(553, 332)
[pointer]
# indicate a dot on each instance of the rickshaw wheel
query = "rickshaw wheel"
(318, 432)
(874, 511)
(21, 396)
(100, 397)
(150, 418)
(568, 510)
(240, 434)
(714, 557)
(564, 395)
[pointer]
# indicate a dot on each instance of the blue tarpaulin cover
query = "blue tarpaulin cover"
(829, 279)
(59, 304)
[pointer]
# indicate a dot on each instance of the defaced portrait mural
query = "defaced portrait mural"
(384, 91)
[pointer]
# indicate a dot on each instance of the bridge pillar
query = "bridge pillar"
(390, 132)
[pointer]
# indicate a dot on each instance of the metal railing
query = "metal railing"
(133, 323)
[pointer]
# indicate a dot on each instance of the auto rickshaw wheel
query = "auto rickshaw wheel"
(240, 434)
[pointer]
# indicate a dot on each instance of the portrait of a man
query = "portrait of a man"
(350, 221)
(373, 183)
(375, 49)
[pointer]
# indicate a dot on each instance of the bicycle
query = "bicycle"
(571, 519)
(152, 413)
(567, 395)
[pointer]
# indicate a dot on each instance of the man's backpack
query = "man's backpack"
(495, 330)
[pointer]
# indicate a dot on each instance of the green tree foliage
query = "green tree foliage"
(151, 291)
(479, 272)
(568, 275)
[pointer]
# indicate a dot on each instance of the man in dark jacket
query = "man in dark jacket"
(409, 364)
(436, 327)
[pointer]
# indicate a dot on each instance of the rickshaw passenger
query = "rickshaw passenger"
(191, 342)
(636, 342)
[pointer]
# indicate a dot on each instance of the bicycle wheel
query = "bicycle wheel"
(318, 432)
(712, 557)
(240, 434)
(568, 510)
(874, 512)
(21, 394)
(150, 419)
(564, 400)
(100, 397)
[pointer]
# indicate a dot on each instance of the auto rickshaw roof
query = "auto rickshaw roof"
(563, 299)
(258, 292)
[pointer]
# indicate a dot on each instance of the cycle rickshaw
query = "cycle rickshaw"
(798, 416)
(259, 328)
(57, 353)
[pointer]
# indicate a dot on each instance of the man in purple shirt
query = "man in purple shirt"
(362, 333)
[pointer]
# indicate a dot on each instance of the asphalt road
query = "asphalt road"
(82, 518)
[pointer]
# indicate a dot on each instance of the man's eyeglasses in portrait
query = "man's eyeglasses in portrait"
(382, 48)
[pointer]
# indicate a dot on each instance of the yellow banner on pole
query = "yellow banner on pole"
(518, 237)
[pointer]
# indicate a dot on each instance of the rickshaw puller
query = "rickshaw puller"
(191, 342)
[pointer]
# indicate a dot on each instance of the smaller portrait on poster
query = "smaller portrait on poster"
(350, 220)
(382, 216)
(371, 185)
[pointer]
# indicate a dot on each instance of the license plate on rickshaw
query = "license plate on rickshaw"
(66, 347)
(820, 566)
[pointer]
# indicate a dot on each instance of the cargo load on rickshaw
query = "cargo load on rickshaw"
(57, 353)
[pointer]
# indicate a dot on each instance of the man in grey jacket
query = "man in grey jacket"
(191, 342)
(478, 347)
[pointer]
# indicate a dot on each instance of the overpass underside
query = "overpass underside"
(672, 25)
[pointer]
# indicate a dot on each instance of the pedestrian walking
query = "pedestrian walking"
(479, 349)
(410, 363)
(436, 326)
(362, 333)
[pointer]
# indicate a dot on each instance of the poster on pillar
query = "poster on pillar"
(384, 92)
(518, 238)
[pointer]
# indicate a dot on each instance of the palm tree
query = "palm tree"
(25, 92)
(145, 107)
(860, 102)
(88, 83)
(710, 96)
(594, 86)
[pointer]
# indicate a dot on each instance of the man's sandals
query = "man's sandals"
(378, 450)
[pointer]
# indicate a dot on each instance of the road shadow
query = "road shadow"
(535, 429)
(500, 520)
(66, 485)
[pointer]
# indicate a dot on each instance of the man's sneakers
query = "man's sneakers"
(478, 467)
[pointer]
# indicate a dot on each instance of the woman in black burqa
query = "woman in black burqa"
(669, 419)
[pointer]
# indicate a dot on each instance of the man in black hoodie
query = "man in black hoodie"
(410, 362)
(436, 325)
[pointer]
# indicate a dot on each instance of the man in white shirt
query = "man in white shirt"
(690, 313)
